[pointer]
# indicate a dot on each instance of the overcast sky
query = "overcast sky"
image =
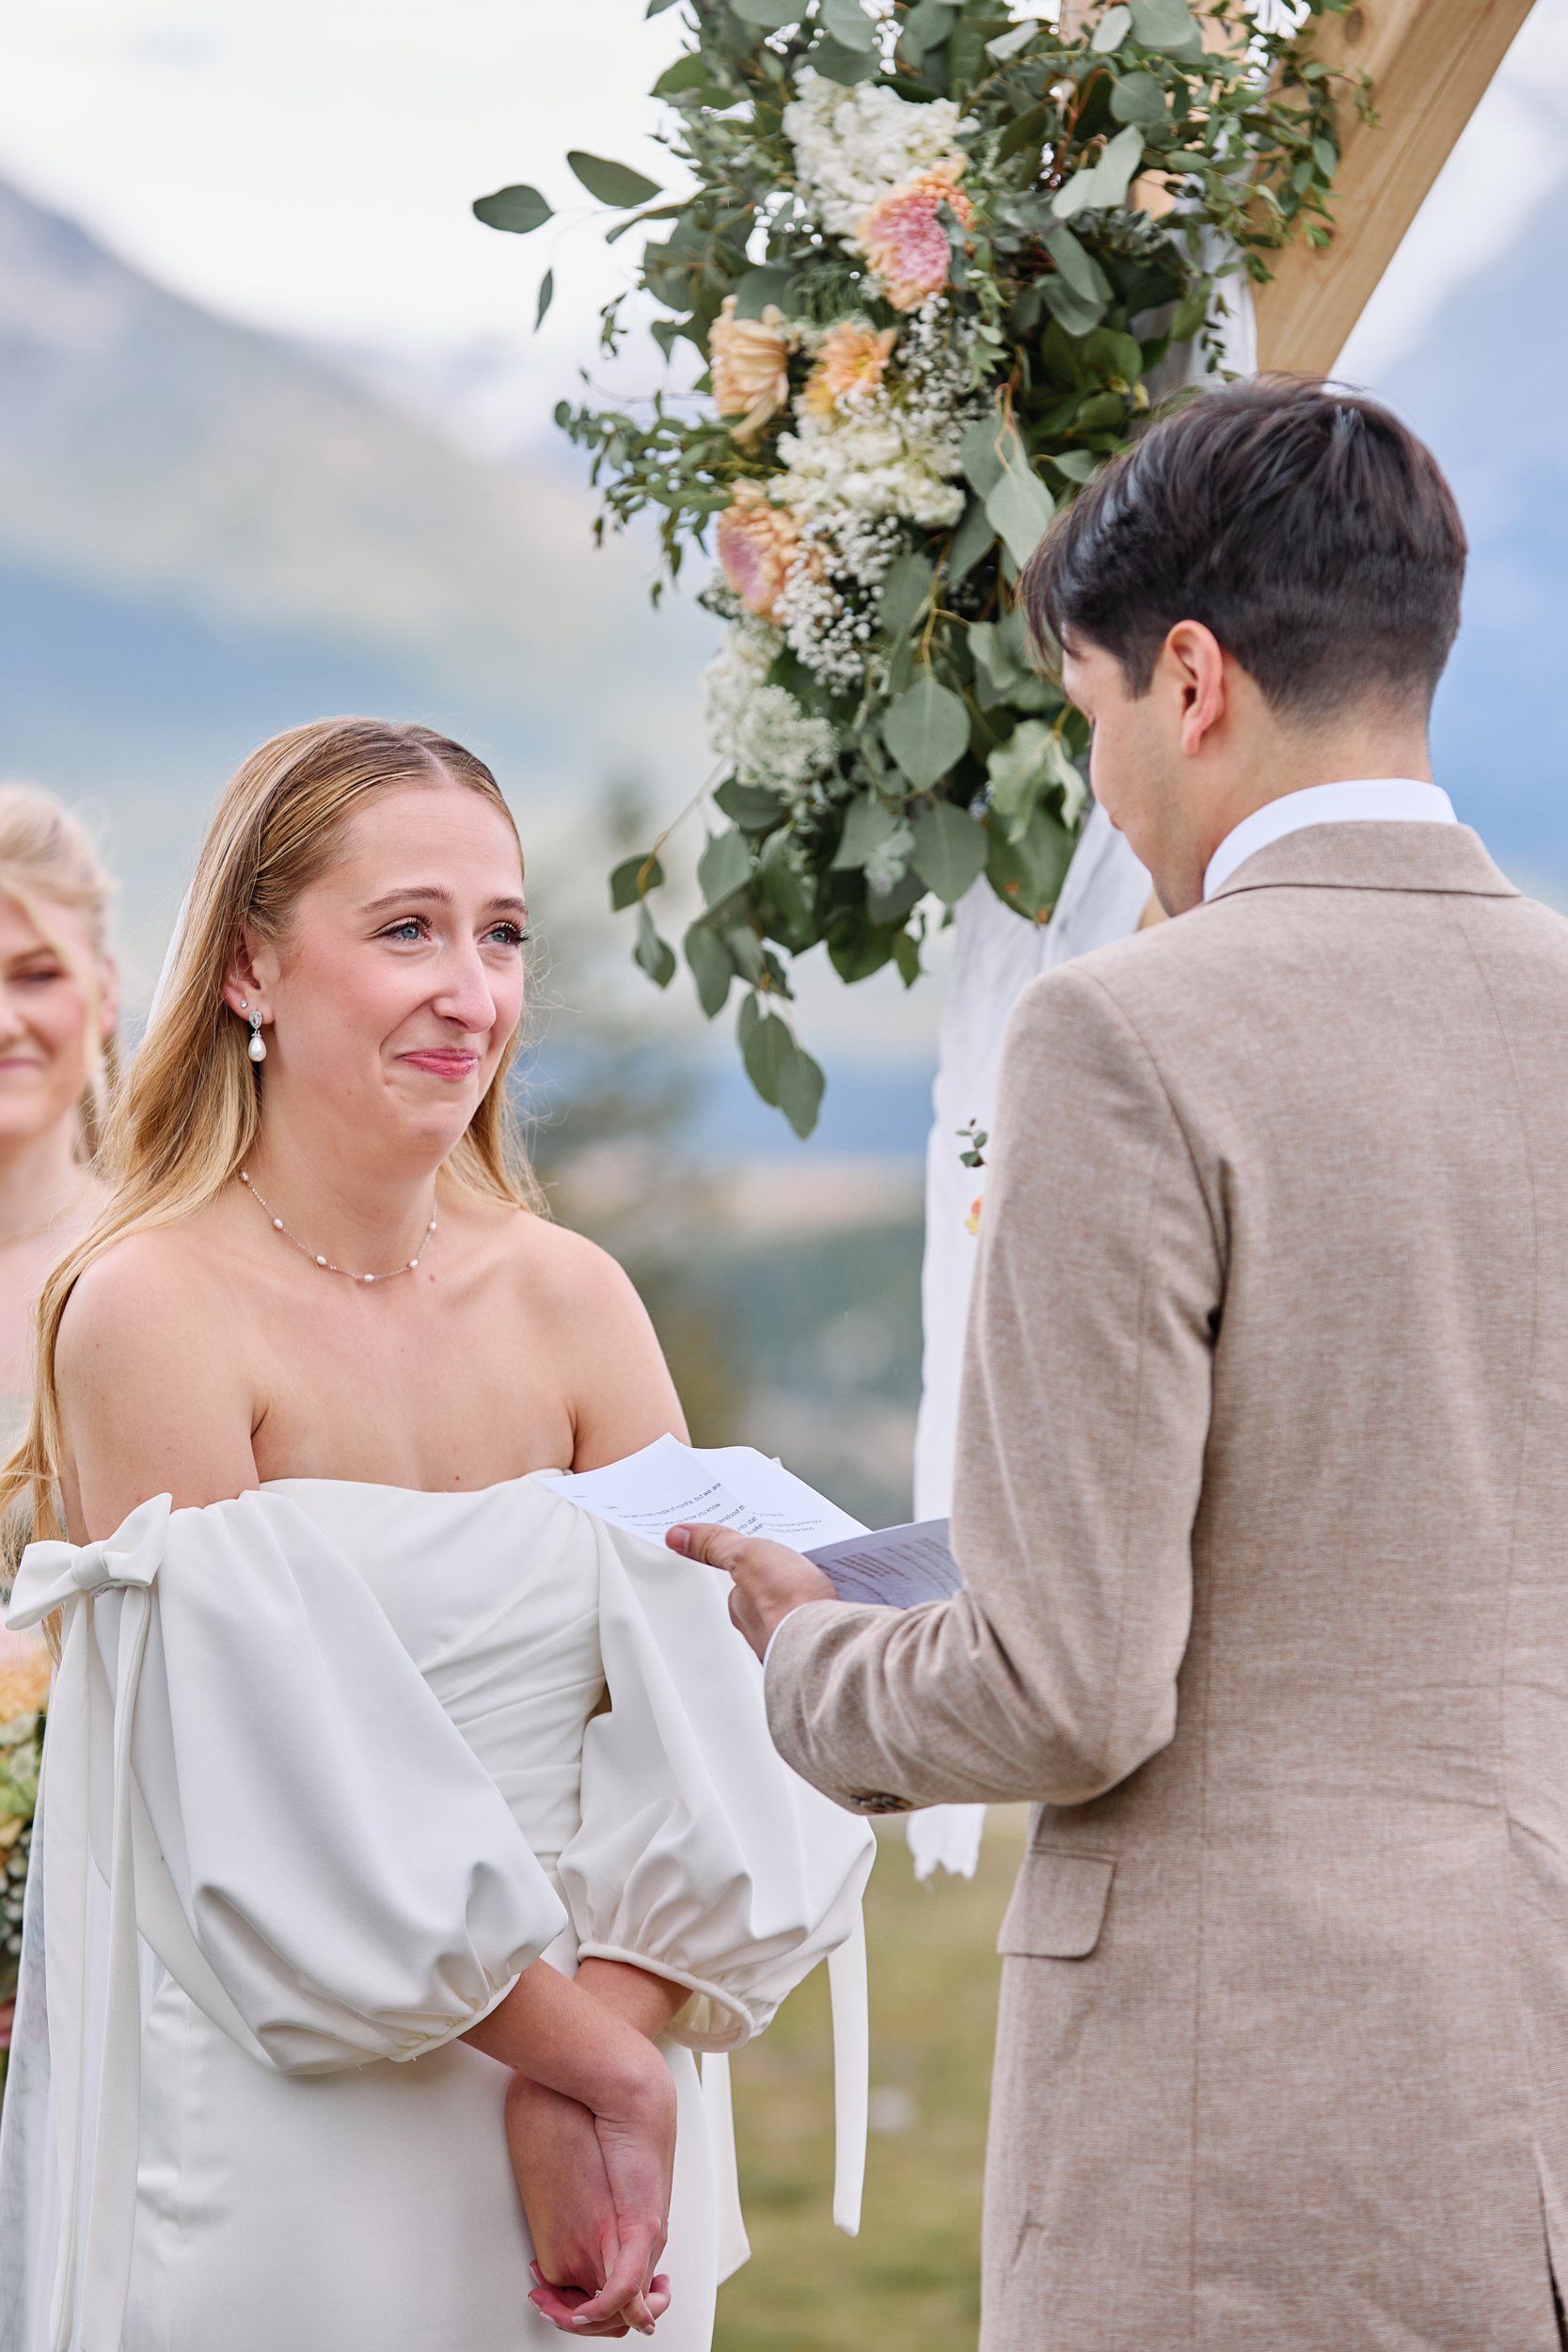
(308, 164)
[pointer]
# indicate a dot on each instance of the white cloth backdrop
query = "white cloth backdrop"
(1103, 898)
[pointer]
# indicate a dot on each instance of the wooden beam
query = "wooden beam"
(1430, 62)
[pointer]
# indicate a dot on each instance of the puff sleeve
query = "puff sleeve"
(279, 1804)
(701, 1858)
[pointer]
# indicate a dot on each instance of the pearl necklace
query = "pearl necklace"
(306, 1251)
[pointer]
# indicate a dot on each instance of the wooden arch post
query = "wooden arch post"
(1429, 62)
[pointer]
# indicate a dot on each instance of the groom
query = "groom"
(1262, 1481)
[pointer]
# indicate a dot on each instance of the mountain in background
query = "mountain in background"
(207, 534)
(1500, 725)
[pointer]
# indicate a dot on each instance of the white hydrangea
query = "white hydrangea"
(761, 729)
(851, 146)
(869, 462)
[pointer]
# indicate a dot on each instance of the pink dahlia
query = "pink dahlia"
(905, 242)
(759, 545)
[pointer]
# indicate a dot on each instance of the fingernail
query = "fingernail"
(679, 1539)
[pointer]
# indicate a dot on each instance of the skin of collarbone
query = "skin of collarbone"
(43, 1012)
(1178, 768)
(387, 1009)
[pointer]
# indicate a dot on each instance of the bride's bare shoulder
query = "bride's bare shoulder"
(564, 1269)
(140, 1298)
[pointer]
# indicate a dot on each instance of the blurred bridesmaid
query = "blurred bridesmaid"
(58, 1002)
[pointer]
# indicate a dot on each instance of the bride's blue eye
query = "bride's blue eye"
(511, 934)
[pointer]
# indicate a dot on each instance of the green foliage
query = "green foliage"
(953, 753)
(519, 208)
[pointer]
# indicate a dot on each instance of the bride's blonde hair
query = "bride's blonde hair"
(48, 859)
(191, 1104)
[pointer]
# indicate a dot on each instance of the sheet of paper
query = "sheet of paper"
(896, 1568)
(731, 1486)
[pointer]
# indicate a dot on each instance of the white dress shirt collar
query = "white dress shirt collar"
(1378, 800)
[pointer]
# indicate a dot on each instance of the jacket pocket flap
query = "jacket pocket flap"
(1058, 1906)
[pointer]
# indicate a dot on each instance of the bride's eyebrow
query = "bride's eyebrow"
(431, 894)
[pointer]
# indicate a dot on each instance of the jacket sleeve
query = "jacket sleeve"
(1083, 1418)
(700, 1857)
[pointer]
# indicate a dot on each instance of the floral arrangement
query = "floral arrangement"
(939, 261)
(25, 1671)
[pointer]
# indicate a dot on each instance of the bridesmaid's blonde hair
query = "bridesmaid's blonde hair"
(191, 1104)
(48, 860)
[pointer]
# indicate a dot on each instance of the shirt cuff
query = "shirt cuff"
(778, 1629)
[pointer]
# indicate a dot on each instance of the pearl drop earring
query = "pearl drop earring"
(257, 1047)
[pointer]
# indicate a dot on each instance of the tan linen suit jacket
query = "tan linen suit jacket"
(1262, 1513)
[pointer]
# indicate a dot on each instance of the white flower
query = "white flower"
(852, 146)
(761, 729)
(889, 861)
(872, 462)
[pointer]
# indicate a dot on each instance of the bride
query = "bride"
(403, 1830)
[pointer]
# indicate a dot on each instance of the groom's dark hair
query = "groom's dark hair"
(1305, 526)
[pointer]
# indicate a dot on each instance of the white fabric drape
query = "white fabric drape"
(996, 956)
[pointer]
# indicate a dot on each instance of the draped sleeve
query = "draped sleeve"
(278, 1805)
(327, 1867)
(701, 1858)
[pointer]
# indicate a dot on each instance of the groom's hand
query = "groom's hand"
(770, 1579)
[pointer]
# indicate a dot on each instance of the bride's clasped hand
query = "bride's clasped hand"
(467, 1831)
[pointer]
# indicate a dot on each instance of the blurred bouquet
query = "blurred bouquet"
(25, 1671)
(934, 258)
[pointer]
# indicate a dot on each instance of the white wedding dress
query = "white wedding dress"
(327, 1767)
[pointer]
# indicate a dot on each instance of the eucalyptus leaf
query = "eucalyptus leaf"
(801, 1086)
(1027, 875)
(656, 8)
(1161, 23)
(1030, 763)
(610, 182)
(744, 945)
(546, 296)
(904, 593)
(1138, 98)
(981, 454)
(1021, 507)
(1008, 46)
(626, 884)
(869, 826)
(724, 865)
(711, 968)
(1077, 463)
(765, 1048)
(746, 1018)
(892, 904)
(1112, 29)
(1071, 312)
(837, 62)
(848, 22)
(926, 26)
(520, 210)
(972, 538)
(926, 730)
(749, 805)
(769, 16)
(1105, 183)
(1077, 265)
(792, 891)
(656, 956)
(949, 851)
(767, 283)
